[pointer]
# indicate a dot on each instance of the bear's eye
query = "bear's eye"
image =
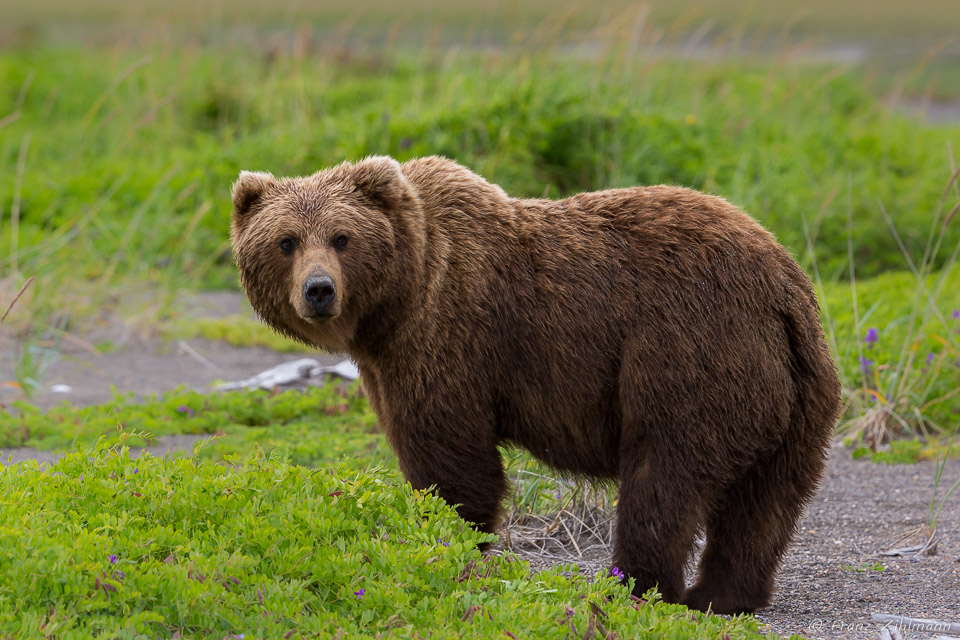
(287, 245)
(340, 242)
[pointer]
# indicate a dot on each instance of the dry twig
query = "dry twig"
(15, 298)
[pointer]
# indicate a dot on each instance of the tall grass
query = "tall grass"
(117, 164)
(907, 344)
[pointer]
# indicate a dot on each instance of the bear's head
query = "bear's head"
(327, 257)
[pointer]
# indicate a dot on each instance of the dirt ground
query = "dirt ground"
(141, 363)
(830, 583)
(833, 578)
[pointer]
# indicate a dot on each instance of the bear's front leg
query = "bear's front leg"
(460, 459)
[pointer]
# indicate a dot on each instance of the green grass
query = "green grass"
(117, 169)
(322, 426)
(864, 567)
(107, 546)
(914, 365)
(101, 545)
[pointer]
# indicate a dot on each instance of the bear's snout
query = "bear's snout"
(319, 292)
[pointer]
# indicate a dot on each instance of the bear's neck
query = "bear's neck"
(377, 332)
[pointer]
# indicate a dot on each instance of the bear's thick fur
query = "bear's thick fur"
(654, 335)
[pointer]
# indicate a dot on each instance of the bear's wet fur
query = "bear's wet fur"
(655, 335)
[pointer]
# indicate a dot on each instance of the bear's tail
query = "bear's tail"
(817, 386)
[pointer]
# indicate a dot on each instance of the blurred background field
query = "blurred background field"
(837, 125)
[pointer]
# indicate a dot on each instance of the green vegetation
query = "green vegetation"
(102, 545)
(323, 426)
(119, 162)
(320, 427)
(264, 548)
(899, 355)
(898, 452)
(864, 567)
(801, 147)
(115, 164)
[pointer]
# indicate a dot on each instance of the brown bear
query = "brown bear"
(657, 335)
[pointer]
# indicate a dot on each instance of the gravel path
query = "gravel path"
(830, 583)
(826, 588)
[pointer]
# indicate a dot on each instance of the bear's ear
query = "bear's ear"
(380, 180)
(248, 189)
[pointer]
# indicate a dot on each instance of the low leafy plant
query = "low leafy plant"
(322, 425)
(103, 545)
(904, 451)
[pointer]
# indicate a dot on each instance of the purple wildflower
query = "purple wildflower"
(440, 541)
(185, 409)
(616, 573)
(362, 592)
(113, 559)
(136, 470)
(872, 336)
(930, 358)
(956, 314)
(865, 364)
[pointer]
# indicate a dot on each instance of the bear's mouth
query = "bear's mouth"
(320, 318)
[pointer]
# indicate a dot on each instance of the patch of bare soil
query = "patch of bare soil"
(831, 583)
(141, 363)
(148, 366)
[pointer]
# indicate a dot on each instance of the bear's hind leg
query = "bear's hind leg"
(657, 520)
(749, 529)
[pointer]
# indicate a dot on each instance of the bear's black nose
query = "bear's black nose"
(319, 292)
